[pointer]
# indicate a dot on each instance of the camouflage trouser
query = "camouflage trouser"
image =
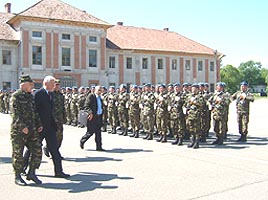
(162, 123)
(243, 119)
(178, 126)
(123, 118)
(134, 116)
(207, 121)
(148, 122)
(32, 141)
(194, 126)
(105, 117)
(74, 115)
(59, 133)
(68, 115)
(112, 117)
(219, 127)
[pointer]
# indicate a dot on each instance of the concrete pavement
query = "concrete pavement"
(138, 169)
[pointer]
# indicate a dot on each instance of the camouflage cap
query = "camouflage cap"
(25, 78)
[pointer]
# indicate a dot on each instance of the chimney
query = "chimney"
(120, 23)
(8, 7)
(166, 29)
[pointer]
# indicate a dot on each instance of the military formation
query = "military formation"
(182, 112)
(178, 111)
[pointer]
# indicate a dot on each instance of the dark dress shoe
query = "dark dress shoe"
(81, 145)
(20, 181)
(62, 175)
(100, 149)
(33, 178)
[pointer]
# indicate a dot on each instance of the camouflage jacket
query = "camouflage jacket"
(242, 101)
(147, 103)
(59, 112)
(122, 100)
(194, 105)
(219, 102)
(175, 106)
(23, 112)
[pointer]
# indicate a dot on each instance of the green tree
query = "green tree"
(251, 72)
(231, 76)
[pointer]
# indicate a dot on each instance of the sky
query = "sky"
(236, 28)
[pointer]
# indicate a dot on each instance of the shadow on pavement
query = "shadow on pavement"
(91, 159)
(120, 150)
(5, 160)
(83, 182)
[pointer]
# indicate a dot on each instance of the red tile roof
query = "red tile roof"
(128, 37)
(58, 10)
(6, 32)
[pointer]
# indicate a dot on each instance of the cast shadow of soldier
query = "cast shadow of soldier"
(88, 181)
(231, 142)
(84, 182)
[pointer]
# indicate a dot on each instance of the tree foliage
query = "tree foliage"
(251, 72)
(231, 76)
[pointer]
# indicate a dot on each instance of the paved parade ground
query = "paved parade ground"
(137, 169)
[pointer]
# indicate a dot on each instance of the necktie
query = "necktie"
(50, 95)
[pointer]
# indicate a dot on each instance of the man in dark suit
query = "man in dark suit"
(93, 105)
(44, 105)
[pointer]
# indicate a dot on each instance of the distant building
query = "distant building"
(55, 38)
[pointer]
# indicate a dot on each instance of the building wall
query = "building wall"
(9, 72)
(138, 75)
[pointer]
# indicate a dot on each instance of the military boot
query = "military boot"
(175, 142)
(216, 141)
(192, 142)
(133, 134)
(240, 139)
(180, 141)
(32, 176)
(137, 134)
(146, 136)
(150, 136)
(220, 141)
(164, 139)
(196, 144)
(160, 139)
(125, 132)
(244, 138)
(19, 180)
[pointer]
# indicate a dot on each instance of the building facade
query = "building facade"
(54, 38)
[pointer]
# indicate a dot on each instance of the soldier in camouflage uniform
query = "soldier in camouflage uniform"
(194, 104)
(24, 131)
(147, 111)
(207, 94)
(162, 102)
(67, 104)
(243, 99)
(112, 110)
(81, 101)
(122, 102)
(219, 102)
(185, 92)
(7, 101)
(2, 94)
(177, 118)
(134, 111)
(104, 96)
(74, 106)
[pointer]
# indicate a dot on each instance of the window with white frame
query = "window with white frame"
(187, 64)
(66, 36)
(144, 63)
(200, 65)
(92, 58)
(37, 34)
(6, 57)
(37, 55)
(160, 63)
(211, 66)
(112, 62)
(129, 63)
(174, 64)
(66, 56)
(92, 39)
